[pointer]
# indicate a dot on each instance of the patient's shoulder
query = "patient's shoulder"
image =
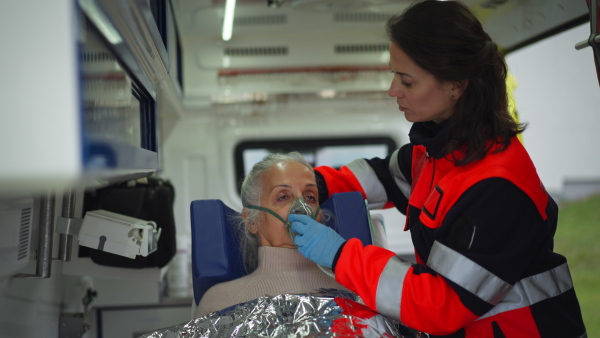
(221, 295)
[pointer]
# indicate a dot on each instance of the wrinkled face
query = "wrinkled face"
(418, 93)
(283, 183)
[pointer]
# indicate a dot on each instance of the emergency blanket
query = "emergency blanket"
(328, 313)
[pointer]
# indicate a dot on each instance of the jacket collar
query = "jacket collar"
(431, 135)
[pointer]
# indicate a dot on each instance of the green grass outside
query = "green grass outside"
(578, 238)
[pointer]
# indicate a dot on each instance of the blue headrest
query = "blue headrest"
(351, 217)
(216, 254)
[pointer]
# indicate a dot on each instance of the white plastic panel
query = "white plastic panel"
(40, 120)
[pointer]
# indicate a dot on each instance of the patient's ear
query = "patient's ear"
(250, 225)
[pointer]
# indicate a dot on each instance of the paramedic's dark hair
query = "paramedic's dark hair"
(445, 39)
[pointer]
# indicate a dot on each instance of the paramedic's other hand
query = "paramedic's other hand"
(315, 241)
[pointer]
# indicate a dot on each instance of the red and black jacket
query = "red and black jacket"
(483, 238)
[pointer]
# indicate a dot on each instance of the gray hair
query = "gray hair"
(251, 191)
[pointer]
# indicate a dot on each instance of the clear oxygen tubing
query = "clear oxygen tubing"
(299, 207)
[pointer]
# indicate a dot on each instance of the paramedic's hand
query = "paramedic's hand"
(315, 241)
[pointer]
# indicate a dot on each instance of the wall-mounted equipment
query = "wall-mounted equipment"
(16, 218)
(118, 234)
(87, 115)
(119, 109)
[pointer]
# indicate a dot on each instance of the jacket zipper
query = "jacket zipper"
(429, 158)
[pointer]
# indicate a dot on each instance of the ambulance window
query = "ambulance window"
(330, 152)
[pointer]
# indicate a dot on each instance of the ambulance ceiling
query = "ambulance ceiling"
(314, 45)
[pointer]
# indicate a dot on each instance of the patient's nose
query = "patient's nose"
(300, 207)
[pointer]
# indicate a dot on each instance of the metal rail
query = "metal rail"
(66, 238)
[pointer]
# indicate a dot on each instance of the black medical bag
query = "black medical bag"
(148, 199)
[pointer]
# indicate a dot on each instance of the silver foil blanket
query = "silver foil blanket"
(328, 313)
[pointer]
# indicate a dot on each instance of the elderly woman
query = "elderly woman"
(272, 260)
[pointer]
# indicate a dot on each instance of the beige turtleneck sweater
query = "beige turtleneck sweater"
(279, 271)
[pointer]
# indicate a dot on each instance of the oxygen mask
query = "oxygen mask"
(298, 207)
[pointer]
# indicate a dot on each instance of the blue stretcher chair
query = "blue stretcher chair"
(215, 250)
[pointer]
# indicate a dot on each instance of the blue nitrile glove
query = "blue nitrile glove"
(315, 241)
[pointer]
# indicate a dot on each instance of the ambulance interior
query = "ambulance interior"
(107, 93)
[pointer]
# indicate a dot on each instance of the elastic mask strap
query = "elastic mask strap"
(314, 216)
(256, 207)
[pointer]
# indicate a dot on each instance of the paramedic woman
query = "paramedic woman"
(481, 221)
